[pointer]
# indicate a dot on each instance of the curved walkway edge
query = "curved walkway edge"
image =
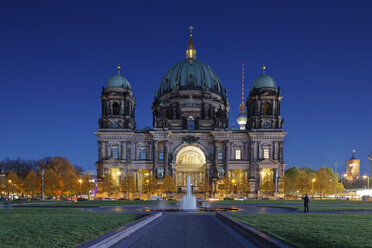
(115, 236)
(257, 236)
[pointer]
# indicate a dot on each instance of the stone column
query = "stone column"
(106, 156)
(281, 151)
(165, 157)
(100, 150)
(129, 152)
(121, 107)
(253, 158)
(155, 157)
(227, 155)
(215, 158)
(123, 147)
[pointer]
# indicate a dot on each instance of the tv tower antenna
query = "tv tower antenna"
(242, 85)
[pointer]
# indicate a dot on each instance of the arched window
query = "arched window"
(115, 109)
(115, 153)
(190, 123)
(267, 109)
(143, 154)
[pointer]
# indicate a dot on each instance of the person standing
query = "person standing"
(306, 203)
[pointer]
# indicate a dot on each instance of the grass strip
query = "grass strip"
(336, 207)
(275, 202)
(56, 227)
(102, 203)
(315, 230)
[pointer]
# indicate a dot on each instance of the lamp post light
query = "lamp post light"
(365, 176)
(80, 181)
(312, 186)
(116, 184)
(276, 186)
(233, 181)
(148, 189)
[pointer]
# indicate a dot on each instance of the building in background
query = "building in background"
(190, 135)
(370, 168)
(352, 169)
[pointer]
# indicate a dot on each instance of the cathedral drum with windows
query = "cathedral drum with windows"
(190, 134)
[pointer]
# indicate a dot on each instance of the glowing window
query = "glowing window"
(238, 154)
(219, 155)
(191, 123)
(143, 154)
(115, 153)
(161, 155)
(266, 153)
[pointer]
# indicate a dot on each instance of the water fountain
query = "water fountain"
(188, 202)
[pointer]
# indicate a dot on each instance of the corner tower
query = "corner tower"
(265, 129)
(263, 105)
(118, 104)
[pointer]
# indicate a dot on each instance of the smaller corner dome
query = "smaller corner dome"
(118, 81)
(264, 81)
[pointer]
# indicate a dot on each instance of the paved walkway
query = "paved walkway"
(187, 230)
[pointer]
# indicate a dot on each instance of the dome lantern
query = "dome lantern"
(191, 51)
(118, 80)
(264, 80)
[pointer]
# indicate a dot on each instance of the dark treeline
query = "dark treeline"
(22, 167)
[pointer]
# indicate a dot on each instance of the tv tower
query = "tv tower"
(242, 117)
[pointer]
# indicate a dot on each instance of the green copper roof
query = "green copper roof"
(190, 74)
(118, 81)
(264, 81)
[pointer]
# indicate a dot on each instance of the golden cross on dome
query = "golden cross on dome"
(191, 28)
(263, 68)
(118, 67)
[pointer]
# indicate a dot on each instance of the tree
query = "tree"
(12, 184)
(244, 187)
(303, 182)
(290, 179)
(128, 185)
(108, 185)
(52, 184)
(61, 166)
(267, 186)
(70, 182)
(32, 184)
(322, 185)
(227, 185)
(168, 185)
(204, 185)
(151, 185)
(86, 186)
(2, 188)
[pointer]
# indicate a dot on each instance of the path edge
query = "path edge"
(260, 238)
(111, 238)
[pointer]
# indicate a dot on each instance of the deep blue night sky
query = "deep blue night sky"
(55, 58)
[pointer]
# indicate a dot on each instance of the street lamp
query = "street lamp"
(80, 181)
(365, 176)
(118, 173)
(234, 184)
(312, 186)
(148, 189)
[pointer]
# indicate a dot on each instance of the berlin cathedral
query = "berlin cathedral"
(190, 134)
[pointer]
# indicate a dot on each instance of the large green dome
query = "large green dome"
(190, 74)
(118, 81)
(264, 81)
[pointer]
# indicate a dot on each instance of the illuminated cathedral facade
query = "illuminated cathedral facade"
(190, 134)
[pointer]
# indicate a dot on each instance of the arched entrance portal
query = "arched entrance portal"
(190, 161)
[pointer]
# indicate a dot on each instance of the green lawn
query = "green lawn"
(56, 227)
(335, 207)
(274, 202)
(315, 230)
(101, 203)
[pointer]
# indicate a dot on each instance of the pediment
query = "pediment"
(268, 163)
